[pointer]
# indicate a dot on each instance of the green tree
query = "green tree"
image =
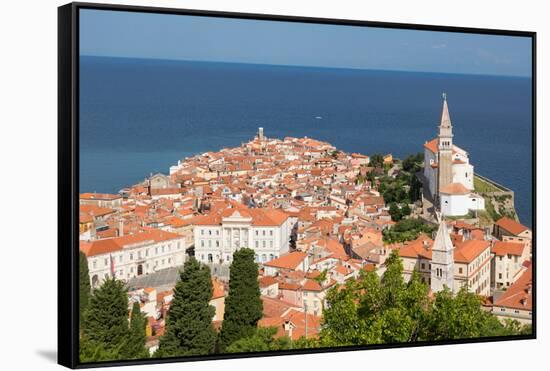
(376, 160)
(262, 339)
(407, 230)
(135, 348)
(189, 329)
(90, 351)
(243, 305)
(458, 317)
(395, 212)
(405, 210)
(342, 323)
(105, 328)
(413, 163)
(84, 286)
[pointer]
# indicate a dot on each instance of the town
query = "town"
(316, 219)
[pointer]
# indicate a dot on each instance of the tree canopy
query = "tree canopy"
(105, 331)
(243, 305)
(84, 286)
(189, 329)
(373, 310)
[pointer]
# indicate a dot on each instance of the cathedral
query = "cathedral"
(448, 171)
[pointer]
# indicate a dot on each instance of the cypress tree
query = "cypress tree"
(189, 329)
(243, 305)
(84, 285)
(105, 323)
(135, 347)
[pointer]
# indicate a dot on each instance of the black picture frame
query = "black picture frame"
(68, 176)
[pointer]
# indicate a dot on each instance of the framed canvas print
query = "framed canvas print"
(238, 185)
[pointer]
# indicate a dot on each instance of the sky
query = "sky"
(193, 38)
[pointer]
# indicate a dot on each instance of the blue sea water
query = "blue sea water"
(139, 116)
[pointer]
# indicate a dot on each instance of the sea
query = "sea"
(140, 116)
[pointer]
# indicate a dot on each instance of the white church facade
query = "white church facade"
(219, 234)
(449, 173)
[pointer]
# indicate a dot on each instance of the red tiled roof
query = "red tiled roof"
(504, 248)
(115, 244)
(99, 196)
(469, 250)
(288, 261)
(511, 225)
(311, 285)
(454, 189)
(518, 296)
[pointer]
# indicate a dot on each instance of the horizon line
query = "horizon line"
(306, 66)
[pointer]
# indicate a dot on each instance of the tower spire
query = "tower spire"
(445, 116)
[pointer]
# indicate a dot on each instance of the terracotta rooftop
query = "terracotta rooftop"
(469, 250)
(99, 196)
(519, 295)
(454, 189)
(288, 261)
(504, 248)
(511, 225)
(110, 245)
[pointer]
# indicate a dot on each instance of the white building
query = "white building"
(220, 233)
(133, 255)
(448, 171)
(439, 263)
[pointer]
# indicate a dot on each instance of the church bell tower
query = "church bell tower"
(442, 265)
(445, 148)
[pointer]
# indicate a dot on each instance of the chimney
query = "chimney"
(121, 228)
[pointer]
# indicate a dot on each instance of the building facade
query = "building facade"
(266, 231)
(133, 255)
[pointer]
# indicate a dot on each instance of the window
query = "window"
(210, 259)
(131, 256)
(202, 243)
(147, 252)
(271, 233)
(217, 243)
(162, 249)
(210, 233)
(423, 266)
(257, 244)
(106, 261)
(94, 264)
(169, 260)
(156, 250)
(460, 270)
(263, 233)
(271, 244)
(120, 258)
(179, 243)
(500, 276)
(257, 233)
(263, 243)
(202, 232)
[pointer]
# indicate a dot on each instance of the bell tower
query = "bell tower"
(442, 270)
(445, 148)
